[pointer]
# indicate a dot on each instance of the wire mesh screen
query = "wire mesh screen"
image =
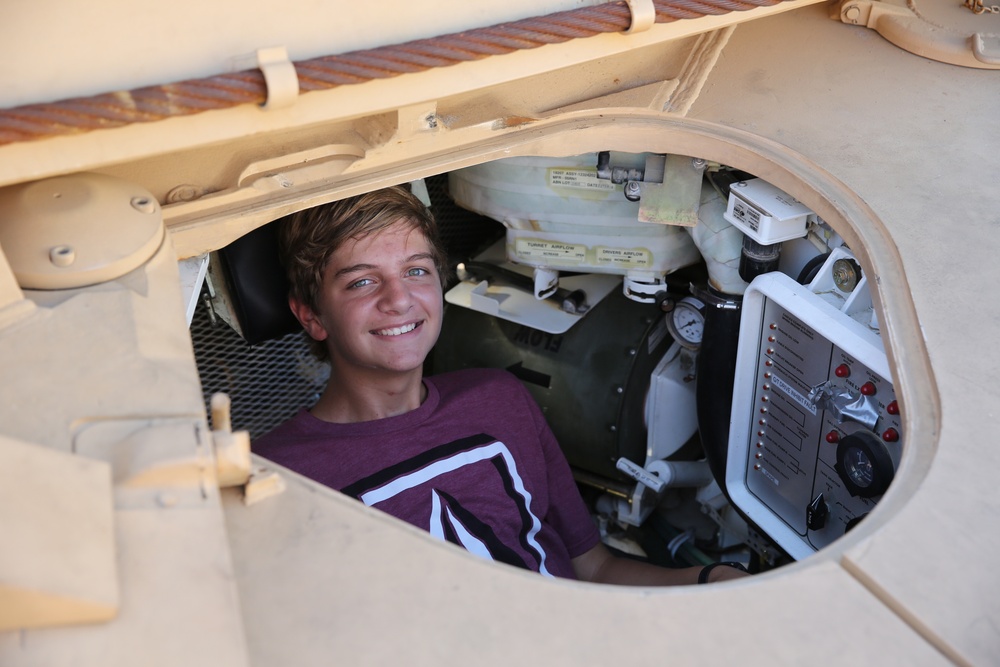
(268, 383)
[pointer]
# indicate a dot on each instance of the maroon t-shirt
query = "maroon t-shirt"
(475, 464)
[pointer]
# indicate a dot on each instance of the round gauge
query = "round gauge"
(686, 322)
(858, 467)
(864, 464)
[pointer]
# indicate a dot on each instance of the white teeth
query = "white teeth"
(397, 330)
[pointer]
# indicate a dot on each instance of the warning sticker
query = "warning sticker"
(582, 179)
(794, 395)
(625, 257)
(550, 251)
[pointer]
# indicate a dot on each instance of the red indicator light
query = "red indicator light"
(763, 399)
(756, 466)
(771, 339)
(766, 387)
(892, 408)
(842, 371)
(833, 437)
(759, 444)
(763, 411)
(768, 363)
(890, 435)
(868, 389)
(770, 350)
(759, 455)
(773, 326)
(762, 422)
(760, 434)
(767, 376)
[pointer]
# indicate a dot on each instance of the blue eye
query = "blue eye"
(361, 283)
(417, 271)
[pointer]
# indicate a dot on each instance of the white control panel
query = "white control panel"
(816, 433)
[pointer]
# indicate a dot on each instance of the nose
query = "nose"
(395, 297)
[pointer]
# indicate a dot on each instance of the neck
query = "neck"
(346, 402)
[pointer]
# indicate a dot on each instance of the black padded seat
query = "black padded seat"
(258, 286)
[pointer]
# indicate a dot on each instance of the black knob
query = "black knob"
(817, 513)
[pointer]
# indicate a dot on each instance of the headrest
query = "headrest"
(258, 286)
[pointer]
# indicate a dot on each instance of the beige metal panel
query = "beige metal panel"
(58, 50)
(906, 135)
(92, 150)
(178, 602)
(105, 375)
(319, 572)
(100, 353)
(58, 565)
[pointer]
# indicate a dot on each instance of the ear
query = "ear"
(307, 318)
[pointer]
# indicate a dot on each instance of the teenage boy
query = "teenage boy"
(466, 455)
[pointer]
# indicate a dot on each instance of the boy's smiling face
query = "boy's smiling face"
(380, 304)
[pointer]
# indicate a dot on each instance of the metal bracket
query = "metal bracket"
(643, 15)
(949, 34)
(280, 76)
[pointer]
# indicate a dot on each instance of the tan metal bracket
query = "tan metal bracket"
(643, 15)
(280, 77)
(944, 32)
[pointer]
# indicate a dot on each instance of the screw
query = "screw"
(185, 192)
(62, 256)
(143, 204)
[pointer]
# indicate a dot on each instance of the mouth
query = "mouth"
(397, 331)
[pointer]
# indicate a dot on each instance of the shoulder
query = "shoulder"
(475, 380)
(296, 429)
(487, 396)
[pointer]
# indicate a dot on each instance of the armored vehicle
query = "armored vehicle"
(728, 245)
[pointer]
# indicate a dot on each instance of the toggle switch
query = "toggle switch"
(817, 513)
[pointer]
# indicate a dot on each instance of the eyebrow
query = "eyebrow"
(359, 268)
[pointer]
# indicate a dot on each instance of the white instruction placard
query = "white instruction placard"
(538, 250)
(626, 258)
(582, 179)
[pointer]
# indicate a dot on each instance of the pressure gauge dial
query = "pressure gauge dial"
(864, 464)
(686, 322)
